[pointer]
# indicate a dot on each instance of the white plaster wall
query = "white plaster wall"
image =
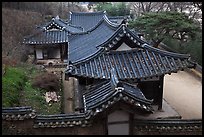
(118, 129)
(118, 115)
(39, 54)
(123, 47)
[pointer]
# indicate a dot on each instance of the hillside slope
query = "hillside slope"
(16, 25)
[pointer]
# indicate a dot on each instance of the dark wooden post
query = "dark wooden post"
(61, 52)
(161, 82)
(35, 56)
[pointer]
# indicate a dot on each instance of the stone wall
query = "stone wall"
(167, 127)
(25, 121)
(25, 127)
(98, 127)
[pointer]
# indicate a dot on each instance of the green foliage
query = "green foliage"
(161, 25)
(119, 9)
(192, 47)
(12, 83)
(35, 97)
(17, 90)
(175, 29)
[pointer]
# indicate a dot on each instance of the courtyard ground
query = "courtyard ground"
(183, 91)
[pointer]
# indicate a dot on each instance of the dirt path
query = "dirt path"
(183, 91)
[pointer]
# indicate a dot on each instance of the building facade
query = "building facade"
(118, 76)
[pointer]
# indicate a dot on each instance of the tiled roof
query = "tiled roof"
(18, 113)
(97, 100)
(138, 63)
(47, 37)
(83, 45)
(106, 94)
(59, 23)
(117, 19)
(87, 20)
(143, 61)
(61, 120)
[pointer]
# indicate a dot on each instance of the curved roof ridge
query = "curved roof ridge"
(110, 24)
(83, 13)
(148, 47)
(123, 29)
(134, 86)
(168, 53)
(75, 26)
(101, 48)
(58, 19)
(142, 41)
(116, 16)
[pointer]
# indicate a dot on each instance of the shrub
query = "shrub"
(47, 81)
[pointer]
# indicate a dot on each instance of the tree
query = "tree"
(158, 26)
(117, 9)
(198, 4)
(191, 9)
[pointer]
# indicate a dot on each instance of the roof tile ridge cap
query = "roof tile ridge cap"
(109, 22)
(116, 31)
(139, 90)
(91, 29)
(168, 53)
(123, 51)
(82, 13)
(116, 16)
(58, 116)
(75, 26)
(134, 35)
(64, 23)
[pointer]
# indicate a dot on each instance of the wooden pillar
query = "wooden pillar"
(161, 83)
(61, 52)
(35, 56)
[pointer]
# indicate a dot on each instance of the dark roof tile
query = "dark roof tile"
(87, 20)
(85, 44)
(132, 64)
(99, 97)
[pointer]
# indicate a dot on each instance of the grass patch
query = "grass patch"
(18, 90)
(12, 83)
(35, 97)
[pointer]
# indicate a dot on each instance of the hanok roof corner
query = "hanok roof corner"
(112, 91)
(143, 61)
(55, 31)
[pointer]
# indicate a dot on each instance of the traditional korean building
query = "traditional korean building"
(117, 74)
(51, 41)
